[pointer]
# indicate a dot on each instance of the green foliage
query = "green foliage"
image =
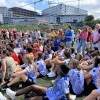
(90, 21)
(43, 27)
(89, 18)
(0, 23)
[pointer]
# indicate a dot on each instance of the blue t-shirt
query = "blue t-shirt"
(56, 42)
(68, 33)
(62, 40)
(20, 44)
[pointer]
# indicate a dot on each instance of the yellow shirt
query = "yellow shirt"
(53, 34)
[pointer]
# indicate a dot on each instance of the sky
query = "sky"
(92, 6)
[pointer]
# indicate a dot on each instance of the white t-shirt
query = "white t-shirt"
(73, 56)
(7, 33)
(31, 73)
(77, 80)
(41, 66)
(67, 61)
(26, 41)
(73, 35)
(95, 72)
(17, 50)
(59, 89)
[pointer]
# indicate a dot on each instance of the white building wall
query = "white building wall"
(4, 11)
(49, 19)
(72, 18)
(56, 10)
(63, 9)
(1, 18)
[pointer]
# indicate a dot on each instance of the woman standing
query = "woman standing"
(83, 41)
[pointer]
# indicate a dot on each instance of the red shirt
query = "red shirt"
(37, 49)
(89, 36)
(14, 56)
(84, 35)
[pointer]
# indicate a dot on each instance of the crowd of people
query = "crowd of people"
(72, 58)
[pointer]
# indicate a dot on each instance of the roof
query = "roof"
(64, 5)
(21, 9)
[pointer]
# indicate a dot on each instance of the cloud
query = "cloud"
(17, 3)
(2, 2)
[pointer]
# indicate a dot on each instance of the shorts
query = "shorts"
(40, 76)
(29, 81)
(89, 88)
(45, 97)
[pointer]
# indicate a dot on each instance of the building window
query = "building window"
(74, 21)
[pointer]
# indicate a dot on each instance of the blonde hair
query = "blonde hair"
(75, 63)
(79, 30)
(30, 60)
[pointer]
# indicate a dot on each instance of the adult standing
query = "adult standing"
(77, 37)
(73, 37)
(96, 36)
(83, 41)
(89, 38)
(69, 36)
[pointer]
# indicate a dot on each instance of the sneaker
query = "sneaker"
(52, 74)
(49, 73)
(11, 93)
(53, 81)
(72, 97)
(2, 97)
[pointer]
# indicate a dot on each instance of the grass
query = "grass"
(42, 82)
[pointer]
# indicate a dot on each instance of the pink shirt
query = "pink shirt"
(96, 36)
(84, 35)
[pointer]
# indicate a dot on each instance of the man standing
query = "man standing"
(96, 36)
(69, 36)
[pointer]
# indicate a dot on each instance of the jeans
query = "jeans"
(68, 44)
(83, 45)
(72, 43)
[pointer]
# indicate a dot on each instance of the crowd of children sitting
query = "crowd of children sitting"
(28, 57)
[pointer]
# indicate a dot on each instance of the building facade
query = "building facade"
(19, 12)
(1, 18)
(4, 11)
(64, 13)
(57, 15)
(63, 9)
(5, 14)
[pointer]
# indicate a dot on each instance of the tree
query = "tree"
(89, 18)
(92, 23)
(0, 23)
